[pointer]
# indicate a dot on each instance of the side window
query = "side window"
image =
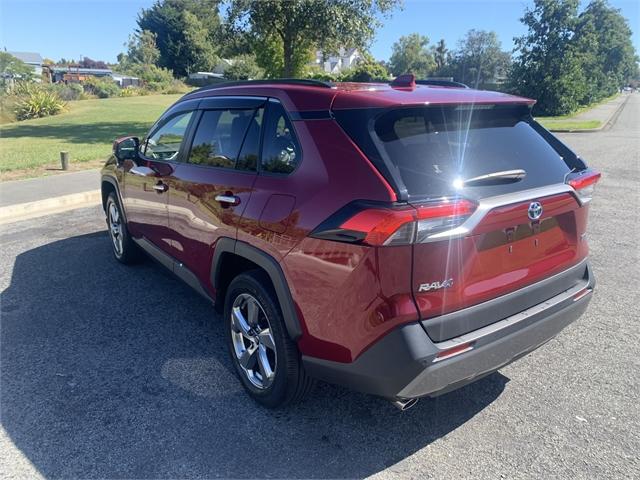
(281, 152)
(165, 142)
(220, 136)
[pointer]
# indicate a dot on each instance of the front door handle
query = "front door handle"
(230, 199)
(161, 187)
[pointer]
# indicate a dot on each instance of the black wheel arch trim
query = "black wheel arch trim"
(114, 183)
(271, 266)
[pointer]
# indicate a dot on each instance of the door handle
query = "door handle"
(142, 171)
(231, 199)
(161, 187)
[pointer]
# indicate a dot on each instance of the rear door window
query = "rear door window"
(227, 138)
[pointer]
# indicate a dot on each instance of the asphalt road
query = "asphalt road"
(109, 371)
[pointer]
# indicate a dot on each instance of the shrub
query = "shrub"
(101, 87)
(71, 91)
(243, 67)
(130, 92)
(176, 86)
(38, 103)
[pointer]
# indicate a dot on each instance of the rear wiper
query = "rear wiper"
(506, 176)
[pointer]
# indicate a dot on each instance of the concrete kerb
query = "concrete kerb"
(49, 206)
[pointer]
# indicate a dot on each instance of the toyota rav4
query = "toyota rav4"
(399, 239)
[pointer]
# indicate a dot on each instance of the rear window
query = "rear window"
(425, 150)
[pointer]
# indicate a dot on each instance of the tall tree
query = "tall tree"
(411, 54)
(479, 58)
(547, 66)
(142, 48)
(290, 30)
(603, 42)
(440, 55)
(186, 32)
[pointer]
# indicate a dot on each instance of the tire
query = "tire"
(288, 382)
(123, 247)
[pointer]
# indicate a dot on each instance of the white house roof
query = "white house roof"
(32, 58)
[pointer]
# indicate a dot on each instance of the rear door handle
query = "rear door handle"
(231, 199)
(161, 187)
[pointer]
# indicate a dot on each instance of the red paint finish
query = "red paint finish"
(505, 252)
(349, 295)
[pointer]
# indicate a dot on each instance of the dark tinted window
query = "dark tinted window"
(430, 148)
(281, 152)
(220, 136)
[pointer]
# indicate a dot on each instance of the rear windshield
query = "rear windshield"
(425, 150)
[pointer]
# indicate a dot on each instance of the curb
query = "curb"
(40, 208)
(606, 125)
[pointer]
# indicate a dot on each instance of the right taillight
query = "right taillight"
(401, 225)
(584, 184)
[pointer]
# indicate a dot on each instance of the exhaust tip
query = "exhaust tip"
(403, 404)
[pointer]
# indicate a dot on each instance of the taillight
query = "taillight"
(584, 184)
(397, 225)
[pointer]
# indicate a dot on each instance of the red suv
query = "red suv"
(402, 240)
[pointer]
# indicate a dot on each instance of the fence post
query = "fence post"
(64, 160)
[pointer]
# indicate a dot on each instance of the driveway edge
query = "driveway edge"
(40, 208)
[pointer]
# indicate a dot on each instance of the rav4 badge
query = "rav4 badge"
(427, 287)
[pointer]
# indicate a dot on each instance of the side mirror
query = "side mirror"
(126, 148)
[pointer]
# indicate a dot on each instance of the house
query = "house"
(125, 81)
(75, 74)
(33, 59)
(337, 63)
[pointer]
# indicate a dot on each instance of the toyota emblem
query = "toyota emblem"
(535, 210)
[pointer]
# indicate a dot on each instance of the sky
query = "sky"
(99, 28)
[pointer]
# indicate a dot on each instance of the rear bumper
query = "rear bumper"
(403, 363)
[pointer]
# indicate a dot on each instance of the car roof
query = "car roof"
(310, 95)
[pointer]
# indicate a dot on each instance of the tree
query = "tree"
(547, 67)
(479, 58)
(13, 68)
(185, 32)
(440, 55)
(290, 30)
(603, 42)
(367, 69)
(141, 48)
(411, 54)
(87, 62)
(243, 67)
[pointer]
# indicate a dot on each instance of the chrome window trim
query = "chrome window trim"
(489, 203)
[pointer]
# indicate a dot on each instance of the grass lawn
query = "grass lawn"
(569, 122)
(86, 130)
(550, 123)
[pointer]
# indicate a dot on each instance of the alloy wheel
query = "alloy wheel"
(115, 228)
(253, 343)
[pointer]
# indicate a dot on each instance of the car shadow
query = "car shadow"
(122, 372)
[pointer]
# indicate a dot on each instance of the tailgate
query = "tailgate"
(504, 251)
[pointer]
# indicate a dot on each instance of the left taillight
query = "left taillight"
(396, 225)
(585, 184)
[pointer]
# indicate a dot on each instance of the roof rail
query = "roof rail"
(441, 83)
(278, 81)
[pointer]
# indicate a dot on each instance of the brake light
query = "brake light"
(585, 184)
(399, 226)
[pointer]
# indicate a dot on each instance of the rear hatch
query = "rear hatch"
(494, 210)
